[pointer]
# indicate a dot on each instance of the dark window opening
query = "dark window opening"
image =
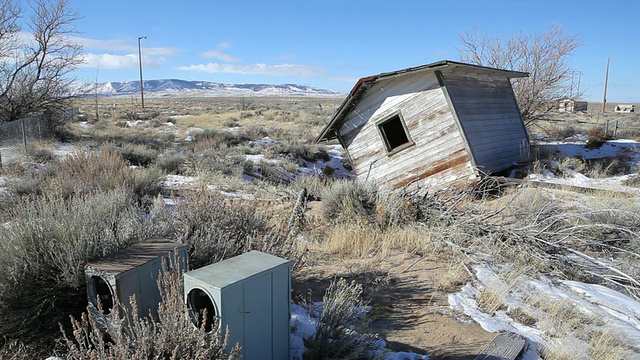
(202, 309)
(100, 290)
(394, 133)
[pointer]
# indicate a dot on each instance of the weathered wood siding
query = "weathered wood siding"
(438, 157)
(488, 114)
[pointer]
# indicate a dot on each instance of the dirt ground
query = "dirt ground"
(407, 308)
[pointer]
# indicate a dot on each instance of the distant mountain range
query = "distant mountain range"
(175, 87)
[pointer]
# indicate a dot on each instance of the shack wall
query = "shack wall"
(488, 114)
(438, 156)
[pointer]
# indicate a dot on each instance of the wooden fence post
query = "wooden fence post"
(298, 209)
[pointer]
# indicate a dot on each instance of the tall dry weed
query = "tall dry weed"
(43, 250)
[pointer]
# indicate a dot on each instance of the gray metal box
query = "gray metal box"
(131, 271)
(248, 294)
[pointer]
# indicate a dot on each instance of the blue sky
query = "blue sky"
(330, 44)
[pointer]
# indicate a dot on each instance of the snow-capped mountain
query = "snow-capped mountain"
(167, 87)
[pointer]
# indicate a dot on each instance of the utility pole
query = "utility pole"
(606, 81)
(140, 61)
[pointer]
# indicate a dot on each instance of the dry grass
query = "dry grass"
(608, 345)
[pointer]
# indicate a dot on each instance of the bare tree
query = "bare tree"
(35, 68)
(544, 56)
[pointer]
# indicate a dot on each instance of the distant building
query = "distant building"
(625, 108)
(439, 124)
(572, 105)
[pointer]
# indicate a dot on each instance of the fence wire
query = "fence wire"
(16, 136)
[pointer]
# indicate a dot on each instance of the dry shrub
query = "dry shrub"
(295, 149)
(43, 250)
(17, 350)
(343, 314)
(216, 228)
(172, 336)
(221, 139)
(41, 154)
(146, 182)
(315, 186)
(172, 163)
(597, 137)
(87, 172)
(139, 154)
(350, 200)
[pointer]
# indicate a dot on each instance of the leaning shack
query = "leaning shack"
(439, 124)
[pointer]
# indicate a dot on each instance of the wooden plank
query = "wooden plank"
(550, 185)
(505, 346)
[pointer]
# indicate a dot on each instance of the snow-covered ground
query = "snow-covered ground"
(625, 150)
(303, 326)
(616, 313)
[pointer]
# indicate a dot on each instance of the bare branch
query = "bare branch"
(544, 56)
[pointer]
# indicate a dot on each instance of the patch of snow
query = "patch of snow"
(85, 124)
(132, 123)
(264, 140)
(619, 310)
(303, 323)
(194, 130)
(319, 167)
(65, 150)
(258, 158)
(190, 138)
(615, 309)
(580, 150)
(176, 181)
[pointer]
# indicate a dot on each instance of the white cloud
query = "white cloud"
(107, 45)
(220, 56)
(121, 45)
(224, 45)
(111, 61)
(256, 69)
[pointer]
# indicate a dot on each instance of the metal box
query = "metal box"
(131, 271)
(248, 294)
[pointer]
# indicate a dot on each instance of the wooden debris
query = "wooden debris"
(505, 346)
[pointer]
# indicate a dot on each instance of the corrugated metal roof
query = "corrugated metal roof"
(365, 83)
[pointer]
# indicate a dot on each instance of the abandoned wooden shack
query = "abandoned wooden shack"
(572, 105)
(445, 123)
(625, 108)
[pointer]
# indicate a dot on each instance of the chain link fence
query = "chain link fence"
(16, 136)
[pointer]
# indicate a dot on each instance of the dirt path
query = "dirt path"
(410, 309)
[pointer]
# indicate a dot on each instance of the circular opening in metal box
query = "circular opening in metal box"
(202, 308)
(99, 289)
